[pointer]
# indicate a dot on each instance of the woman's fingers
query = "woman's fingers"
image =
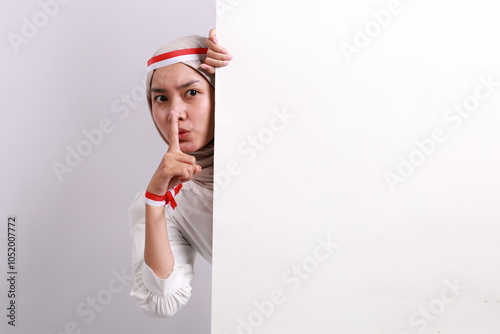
(176, 166)
(217, 56)
(198, 169)
(216, 48)
(217, 52)
(212, 35)
(185, 171)
(209, 69)
(180, 166)
(173, 140)
(215, 61)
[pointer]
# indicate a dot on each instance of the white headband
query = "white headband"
(177, 56)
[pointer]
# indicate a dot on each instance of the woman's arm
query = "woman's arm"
(157, 252)
(175, 167)
(156, 296)
(158, 288)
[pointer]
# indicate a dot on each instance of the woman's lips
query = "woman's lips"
(183, 133)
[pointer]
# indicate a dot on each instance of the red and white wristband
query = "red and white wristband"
(167, 200)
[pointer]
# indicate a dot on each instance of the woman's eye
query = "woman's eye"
(161, 98)
(192, 92)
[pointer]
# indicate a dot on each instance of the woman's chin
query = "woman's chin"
(188, 147)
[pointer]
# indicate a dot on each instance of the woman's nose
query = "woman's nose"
(179, 107)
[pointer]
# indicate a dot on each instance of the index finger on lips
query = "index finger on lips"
(173, 140)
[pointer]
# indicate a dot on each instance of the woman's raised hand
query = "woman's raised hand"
(217, 56)
(175, 167)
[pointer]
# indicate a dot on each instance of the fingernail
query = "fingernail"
(229, 57)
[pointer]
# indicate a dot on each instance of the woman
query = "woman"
(172, 220)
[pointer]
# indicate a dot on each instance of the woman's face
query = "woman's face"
(181, 89)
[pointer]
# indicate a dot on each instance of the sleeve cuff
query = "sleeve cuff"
(163, 287)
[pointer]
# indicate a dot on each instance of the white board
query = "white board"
(357, 168)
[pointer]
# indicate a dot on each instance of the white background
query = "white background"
(73, 234)
(419, 257)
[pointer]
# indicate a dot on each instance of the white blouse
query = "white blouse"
(189, 231)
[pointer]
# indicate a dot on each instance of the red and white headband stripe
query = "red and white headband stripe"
(177, 56)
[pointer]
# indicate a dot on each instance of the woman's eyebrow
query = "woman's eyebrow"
(187, 84)
(158, 90)
(184, 85)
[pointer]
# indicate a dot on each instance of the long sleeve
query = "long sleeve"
(156, 296)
